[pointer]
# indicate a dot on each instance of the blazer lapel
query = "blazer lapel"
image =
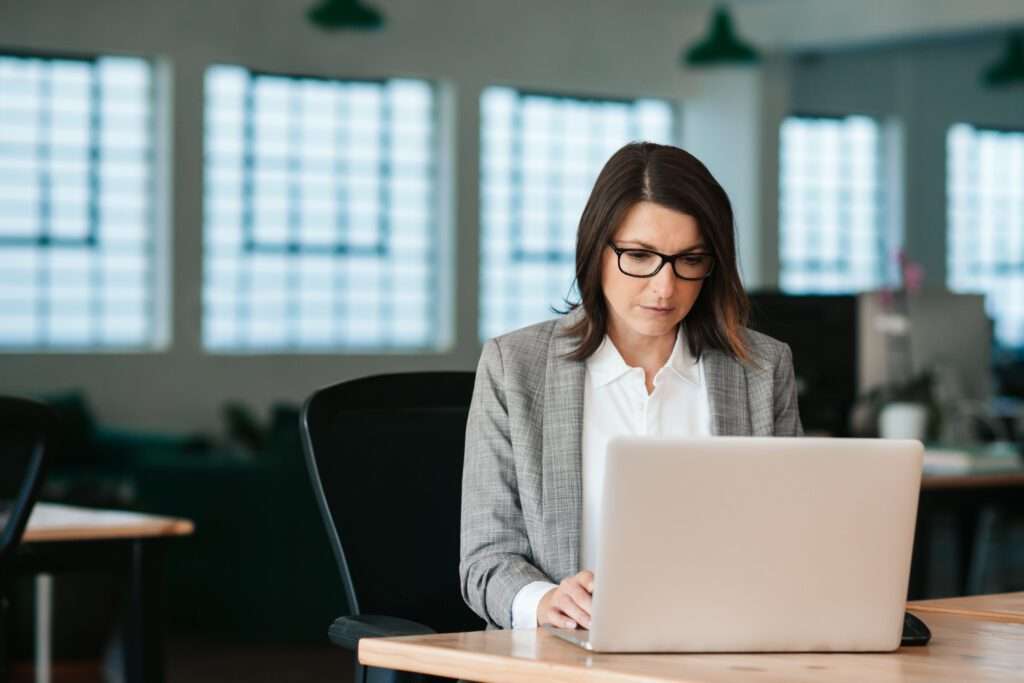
(727, 394)
(563, 459)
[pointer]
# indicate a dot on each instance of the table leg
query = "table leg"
(44, 632)
(143, 637)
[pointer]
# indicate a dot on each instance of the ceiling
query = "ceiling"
(840, 24)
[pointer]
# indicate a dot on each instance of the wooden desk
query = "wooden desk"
(62, 538)
(52, 522)
(962, 649)
(1007, 607)
(962, 469)
(933, 481)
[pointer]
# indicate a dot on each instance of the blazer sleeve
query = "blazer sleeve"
(495, 560)
(784, 402)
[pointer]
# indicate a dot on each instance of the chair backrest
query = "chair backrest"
(27, 435)
(385, 458)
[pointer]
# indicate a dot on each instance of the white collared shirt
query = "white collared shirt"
(616, 403)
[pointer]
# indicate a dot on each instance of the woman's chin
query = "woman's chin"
(654, 328)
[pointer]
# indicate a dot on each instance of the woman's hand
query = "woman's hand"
(568, 605)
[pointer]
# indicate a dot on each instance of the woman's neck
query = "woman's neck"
(640, 351)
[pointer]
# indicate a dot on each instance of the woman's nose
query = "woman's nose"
(664, 282)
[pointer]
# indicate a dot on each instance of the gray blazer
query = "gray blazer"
(522, 480)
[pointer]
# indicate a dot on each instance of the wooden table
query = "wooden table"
(985, 479)
(1008, 607)
(52, 522)
(962, 649)
(62, 538)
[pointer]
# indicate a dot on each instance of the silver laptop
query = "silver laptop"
(740, 544)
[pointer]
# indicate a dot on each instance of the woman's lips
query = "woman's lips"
(657, 310)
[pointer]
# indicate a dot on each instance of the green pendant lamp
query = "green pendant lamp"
(1010, 68)
(339, 14)
(721, 46)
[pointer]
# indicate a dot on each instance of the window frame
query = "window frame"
(439, 228)
(996, 269)
(887, 206)
(157, 298)
(518, 254)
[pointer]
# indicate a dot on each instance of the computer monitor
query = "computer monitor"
(840, 347)
(821, 330)
(947, 331)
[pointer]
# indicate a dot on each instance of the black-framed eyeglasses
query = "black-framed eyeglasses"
(646, 263)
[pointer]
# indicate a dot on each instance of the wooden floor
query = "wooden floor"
(211, 662)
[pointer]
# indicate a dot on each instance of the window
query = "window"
(320, 214)
(834, 220)
(77, 215)
(540, 156)
(985, 245)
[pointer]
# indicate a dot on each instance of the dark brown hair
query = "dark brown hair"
(674, 179)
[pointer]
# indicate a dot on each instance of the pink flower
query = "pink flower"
(913, 276)
(911, 272)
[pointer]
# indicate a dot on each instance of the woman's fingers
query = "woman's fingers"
(569, 605)
(548, 611)
(560, 619)
(574, 600)
(574, 612)
(555, 615)
(579, 595)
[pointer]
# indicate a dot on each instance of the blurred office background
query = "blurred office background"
(210, 209)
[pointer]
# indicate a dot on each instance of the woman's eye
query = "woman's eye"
(638, 255)
(695, 260)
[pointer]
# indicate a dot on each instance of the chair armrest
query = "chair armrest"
(346, 631)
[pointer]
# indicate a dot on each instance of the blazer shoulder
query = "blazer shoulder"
(525, 353)
(761, 340)
(527, 342)
(767, 348)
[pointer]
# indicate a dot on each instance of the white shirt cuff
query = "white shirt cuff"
(524, 605)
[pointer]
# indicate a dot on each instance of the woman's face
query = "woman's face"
(649, 307)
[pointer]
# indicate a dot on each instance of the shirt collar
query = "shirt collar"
(683, 362)
(607, 365)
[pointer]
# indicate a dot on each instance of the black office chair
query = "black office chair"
(385, 458)
(27, 434)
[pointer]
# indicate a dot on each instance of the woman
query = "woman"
(656, 346)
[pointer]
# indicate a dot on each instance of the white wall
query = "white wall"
(828, 24)
(731, 123)
(612, 47)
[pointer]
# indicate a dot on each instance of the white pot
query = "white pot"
(903, 421)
